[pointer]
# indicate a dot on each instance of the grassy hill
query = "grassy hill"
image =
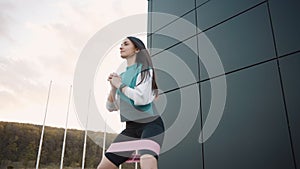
(19, 146)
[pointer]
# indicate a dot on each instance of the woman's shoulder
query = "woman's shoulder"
(141, 68)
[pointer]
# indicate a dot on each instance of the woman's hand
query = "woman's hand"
(111, 75)
(109, 79)
(115, 80)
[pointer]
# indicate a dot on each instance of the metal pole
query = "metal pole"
(85, 133)
(120, 166)
(66, 128)
(84, 149)
(104, 139)
(136, 164)
(123, 126)
(42, 134)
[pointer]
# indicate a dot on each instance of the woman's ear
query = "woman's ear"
(137, 50)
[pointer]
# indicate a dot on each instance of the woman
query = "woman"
(132, 92)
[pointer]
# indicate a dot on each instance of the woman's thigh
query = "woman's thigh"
(106, 164)
(118, 158)
(155, 132)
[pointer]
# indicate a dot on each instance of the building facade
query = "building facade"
(258, 44)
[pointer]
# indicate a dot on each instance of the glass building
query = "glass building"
(258, 44)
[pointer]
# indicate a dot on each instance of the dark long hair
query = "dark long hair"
(143, 57)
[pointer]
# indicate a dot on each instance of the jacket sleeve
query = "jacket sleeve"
(113, 106)
(143, 93)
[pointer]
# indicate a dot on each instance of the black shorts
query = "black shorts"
(153, 130)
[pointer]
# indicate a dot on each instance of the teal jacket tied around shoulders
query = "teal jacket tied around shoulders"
(128, 110)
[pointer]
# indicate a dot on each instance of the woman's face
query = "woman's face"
(127, 49)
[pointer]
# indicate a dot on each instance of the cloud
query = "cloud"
(18, 79)
(5, 20)
(47, 37)
(47, 51)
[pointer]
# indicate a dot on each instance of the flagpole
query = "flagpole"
(136, 164)
(85, 132)
(42, 134)
(65, 134)
(104, 139)
(120, 166)
(84, 149)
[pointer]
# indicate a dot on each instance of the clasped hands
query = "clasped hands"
(115, 80)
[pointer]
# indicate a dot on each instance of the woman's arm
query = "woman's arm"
(111, 103)
(143, 93)
(111, 96)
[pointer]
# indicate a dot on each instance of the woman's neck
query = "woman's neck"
(131, 60)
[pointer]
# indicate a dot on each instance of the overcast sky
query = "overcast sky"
(41, 40)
